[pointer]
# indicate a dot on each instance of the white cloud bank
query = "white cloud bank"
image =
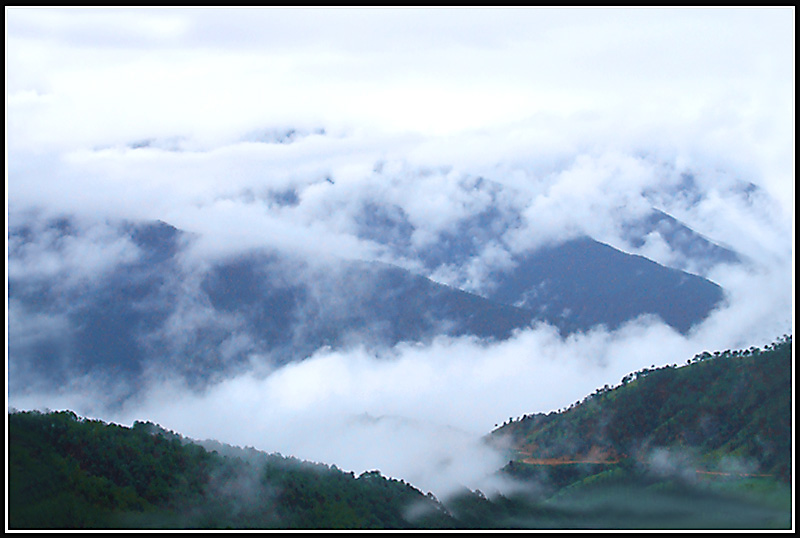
(583, 117)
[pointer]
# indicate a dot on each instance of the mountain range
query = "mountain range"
(205, 320)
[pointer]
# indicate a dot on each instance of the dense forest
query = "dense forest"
(721, 408)
(704, 445)
(68, 472)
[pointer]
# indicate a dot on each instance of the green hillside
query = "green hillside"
(727, 412)
(704, 445)
(67, 472)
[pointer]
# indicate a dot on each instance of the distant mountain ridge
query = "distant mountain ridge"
(148, 310)
(695, 253)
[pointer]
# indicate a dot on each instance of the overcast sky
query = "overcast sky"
(581, 116)
(493, 85)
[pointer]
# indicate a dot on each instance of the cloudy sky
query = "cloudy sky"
(580, 117)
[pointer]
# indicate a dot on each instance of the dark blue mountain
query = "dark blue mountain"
(355, 303)
(582, 283)
(105, 321)
(154, 313)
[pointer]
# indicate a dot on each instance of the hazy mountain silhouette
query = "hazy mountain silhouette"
(153, 311)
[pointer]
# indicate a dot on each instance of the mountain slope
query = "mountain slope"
(153, 310)
(355, 302)
(68, 473)
(582, 283)
(731, 410)
(695, 253)
(143, 307)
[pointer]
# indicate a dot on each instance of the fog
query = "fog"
(281, 128)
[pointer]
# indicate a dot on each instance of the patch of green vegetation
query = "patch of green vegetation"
(732, 405)
(67, 473)
(705, 445)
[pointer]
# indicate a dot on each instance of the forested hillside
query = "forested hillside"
(68, 472)
(721, 412)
